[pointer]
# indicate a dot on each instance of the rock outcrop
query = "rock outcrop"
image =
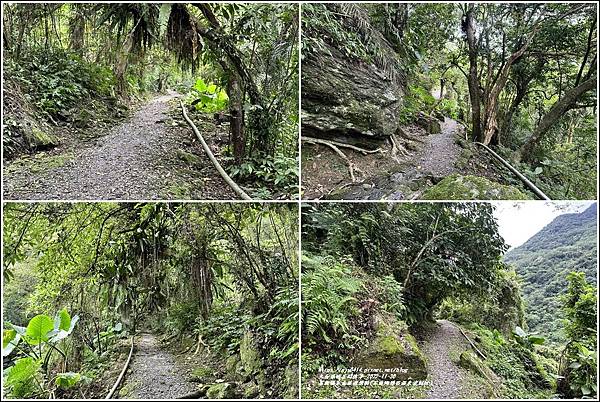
(391, 348)
(349, 98)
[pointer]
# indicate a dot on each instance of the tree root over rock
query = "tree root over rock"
(334, 145)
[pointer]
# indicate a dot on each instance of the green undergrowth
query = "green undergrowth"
(523, 371)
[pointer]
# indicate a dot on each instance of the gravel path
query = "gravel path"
(446, 376)
(153, 373)
(440, 151)
(136, 160)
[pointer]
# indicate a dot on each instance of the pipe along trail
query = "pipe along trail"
(212, 158)
(120, 378)
(521, 177)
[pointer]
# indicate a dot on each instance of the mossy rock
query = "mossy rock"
(224, 390)
(457, 187)
(290, 382)
(189, 158)
(202, 373)
(233, 364)
(430, 124)
(471, 362)
(249, 354)
(251, 391)
(393, 347)
(39, 139)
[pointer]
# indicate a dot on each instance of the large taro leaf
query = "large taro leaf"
(38, 329)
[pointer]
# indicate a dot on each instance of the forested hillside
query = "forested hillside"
(421, 290)
(205, 296)
(93, 90)
(399, 94)
(566, 244)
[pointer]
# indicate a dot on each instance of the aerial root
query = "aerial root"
(364, 151)
(405, 135)
(332, 145)
(200, 342)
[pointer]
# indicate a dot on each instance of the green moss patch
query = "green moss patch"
(457, 187)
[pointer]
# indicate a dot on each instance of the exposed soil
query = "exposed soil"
(154, 373)
(149, 156)
(430, 159)
(439, 343)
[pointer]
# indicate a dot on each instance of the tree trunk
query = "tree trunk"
(77, 29)
(473, 81)
(238, 139)
(557, 110)
(121, 66)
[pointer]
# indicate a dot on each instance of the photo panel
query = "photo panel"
(449, 101)
(150, 300)
(449, 300)
(150, 101)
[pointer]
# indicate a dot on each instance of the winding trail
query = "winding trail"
(153, 373)
(440, 151)
(136, 160)
(440, 342)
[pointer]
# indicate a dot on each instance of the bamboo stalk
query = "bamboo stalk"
(479, 352)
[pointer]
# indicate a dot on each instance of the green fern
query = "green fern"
(328, 296)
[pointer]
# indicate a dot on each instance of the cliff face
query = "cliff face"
(566, 244)
(348, 95)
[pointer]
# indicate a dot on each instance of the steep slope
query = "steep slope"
(566, 244)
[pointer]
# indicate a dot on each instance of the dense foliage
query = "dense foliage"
(76, 66)
(432, 250)
(218, 273)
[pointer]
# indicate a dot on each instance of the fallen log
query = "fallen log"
(212, 158)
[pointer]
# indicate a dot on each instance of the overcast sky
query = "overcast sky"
(518, 221)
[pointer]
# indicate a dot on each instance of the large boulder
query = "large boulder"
(348, 100)
(457, 187)
(393, 347)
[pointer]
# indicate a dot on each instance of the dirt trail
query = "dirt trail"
(134, 161)
(435, 160)
(439, 344)
(440, 151)
(153, 373)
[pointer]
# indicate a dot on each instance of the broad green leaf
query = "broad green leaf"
(519, 332)
(10, 340)
(200, 85)
(536, 340)
(585, 390)
(62, 321)
(38, 329)
(68, 380)
(20, 330)
(23, 370)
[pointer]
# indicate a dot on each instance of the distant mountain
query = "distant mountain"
(566, 244)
